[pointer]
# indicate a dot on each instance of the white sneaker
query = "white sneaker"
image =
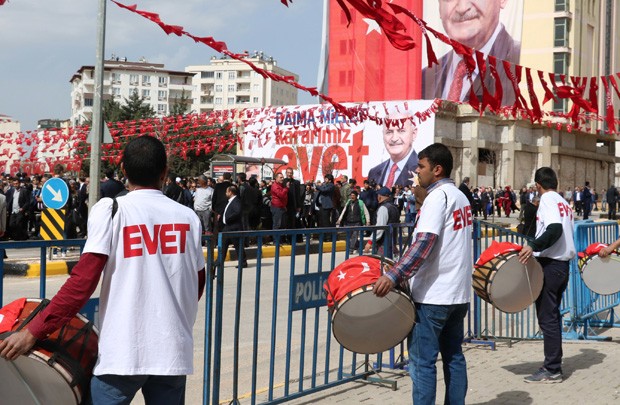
(63, 254)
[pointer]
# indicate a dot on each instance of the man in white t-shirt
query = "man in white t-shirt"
(554, 248)
(440, 262)
(148, 248)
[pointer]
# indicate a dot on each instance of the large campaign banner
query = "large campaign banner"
(363, 65)
(315, 140)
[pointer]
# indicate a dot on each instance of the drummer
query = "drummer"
(553, 248)
(151, 258)
(440, 262)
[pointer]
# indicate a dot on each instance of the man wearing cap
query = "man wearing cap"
(387, 214)
(354, 213)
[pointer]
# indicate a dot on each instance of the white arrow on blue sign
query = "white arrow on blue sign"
(55, 193)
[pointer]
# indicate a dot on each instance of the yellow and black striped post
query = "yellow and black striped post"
(52, 224)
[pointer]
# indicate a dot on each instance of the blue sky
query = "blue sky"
(44, 42)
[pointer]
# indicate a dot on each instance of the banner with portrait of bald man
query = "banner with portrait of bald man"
(492, 27)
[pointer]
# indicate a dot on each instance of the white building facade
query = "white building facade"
(159, 87)
(227, 83)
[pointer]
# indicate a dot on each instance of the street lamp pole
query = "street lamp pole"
(97, 129)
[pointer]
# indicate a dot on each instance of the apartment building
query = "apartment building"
(158, 86)
(227, 83)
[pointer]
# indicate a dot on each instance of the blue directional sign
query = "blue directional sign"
(55, 193)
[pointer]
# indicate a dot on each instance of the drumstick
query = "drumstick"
(21, 377)
(397, 307)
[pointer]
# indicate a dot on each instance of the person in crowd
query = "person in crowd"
(439, 260)
(110, 187)
(476, 205)
(18, 204)
(203, 203)
(220, 200)
(369, 196)
(604, 200)
(294, 202)
(345, 191)
(187, 197)
(230, 221)
(252, 199)
(387, 214)
(325, 201)
(279, 201)
(354, 213)
(161, 286)
(612, 198)
(586, 198)
(486, 199)
(554, 249)
(527, 226)
(308, 217)
(464, 187)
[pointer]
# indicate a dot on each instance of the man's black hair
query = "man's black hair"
(438, 154)
(242, 176)
(329, 177)
(109, 173)
(233, 190)
(546, 177)
(144, 160)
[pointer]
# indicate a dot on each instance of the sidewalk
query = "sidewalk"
(591, 376)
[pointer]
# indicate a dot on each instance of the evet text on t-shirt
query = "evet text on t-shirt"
(565, 210)
(462, 217)
(170, 238)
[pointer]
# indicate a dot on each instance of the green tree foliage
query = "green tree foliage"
(135, 108)
(181, 105)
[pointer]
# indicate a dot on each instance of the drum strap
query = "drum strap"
(29, 318)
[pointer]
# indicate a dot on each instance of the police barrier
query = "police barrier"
(268, 334)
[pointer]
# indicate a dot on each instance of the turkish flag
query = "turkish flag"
(364, 65)
(350, 275)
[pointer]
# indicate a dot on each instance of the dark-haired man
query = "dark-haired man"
(110, 187)
(152, 263)
(439, 261)
(554, 248)
(230, 221)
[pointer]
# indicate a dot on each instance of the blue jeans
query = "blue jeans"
(439, 329)
(120, 389)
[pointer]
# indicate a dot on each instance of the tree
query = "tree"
(135, 108)
(181, 105)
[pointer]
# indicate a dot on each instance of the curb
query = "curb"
(56, 267)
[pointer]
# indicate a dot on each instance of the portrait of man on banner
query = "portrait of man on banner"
(492, 27)
(402, 137)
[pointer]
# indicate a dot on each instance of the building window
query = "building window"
(560, 37)
(219, 88)
(207, 75)
(163, 81)
(559, 105)
(133, 80)
(256, 87)
(146, 94)
(162, 95)
(231, 87)
(161, 108)
(116, 77)
(116, 91)
(255, 99)
(146, 80)
(560, 63)
(232, 75)
(88, 102)
(218, 100)
(561, 5)
(231, 100)
(218, 75)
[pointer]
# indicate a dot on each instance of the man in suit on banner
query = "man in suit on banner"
(400, 167)
(476, 25)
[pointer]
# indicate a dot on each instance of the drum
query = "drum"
(601, 274)
(361, 321)
(56, 370)
(507, 284)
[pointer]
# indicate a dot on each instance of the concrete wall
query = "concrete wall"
(520, 148)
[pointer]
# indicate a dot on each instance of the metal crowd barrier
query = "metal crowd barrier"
(269, 334)
(581, 308)
(267, 330)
